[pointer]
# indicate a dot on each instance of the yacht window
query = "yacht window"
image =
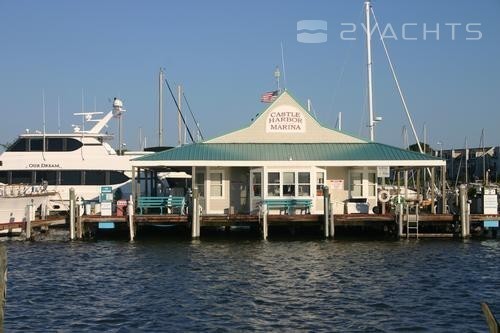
(73, 177)
(4, 177)
(72, 144)
(95, 177)
(49, 176)
(21, 177)
(116, 177)
(19, 145)
(55, 144)
(36, 144)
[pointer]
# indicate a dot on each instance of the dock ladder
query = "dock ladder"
(412, 221)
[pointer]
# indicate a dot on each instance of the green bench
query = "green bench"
(174, 203)
(288, 205)
(171, 203)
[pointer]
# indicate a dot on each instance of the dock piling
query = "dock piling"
(72, 205)
(326, 206)
(332, 220)
(195, 222)
(3, 283)
(29, 213)
(464, 212)
(264, 222)
(131, 210)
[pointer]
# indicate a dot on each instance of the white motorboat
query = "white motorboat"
(83, 160)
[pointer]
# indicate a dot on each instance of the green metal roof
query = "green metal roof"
(285, 152)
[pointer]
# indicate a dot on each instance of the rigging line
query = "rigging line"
(344, 65)
(192, 115)
(403, 101)
(179, 110)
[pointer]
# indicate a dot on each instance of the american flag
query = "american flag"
(269, 97)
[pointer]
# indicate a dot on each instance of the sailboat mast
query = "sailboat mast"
(369, 68)
(160, 108)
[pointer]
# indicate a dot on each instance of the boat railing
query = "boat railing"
(19, 190)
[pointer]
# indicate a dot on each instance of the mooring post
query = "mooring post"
(195, 215)
(3, 283)
(400, 218)
(264, 221)
(326, 199)
(463, 211)
(79, 227)
(332, 221)
(131, 210)
(72, 213)
(29, 213)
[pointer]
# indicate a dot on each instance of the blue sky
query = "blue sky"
(224, 54)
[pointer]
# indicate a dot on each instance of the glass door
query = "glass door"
(255, 188)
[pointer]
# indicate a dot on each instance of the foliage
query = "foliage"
(427, 149)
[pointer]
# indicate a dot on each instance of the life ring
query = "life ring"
(384, 196)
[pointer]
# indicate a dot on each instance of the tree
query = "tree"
(425, 147)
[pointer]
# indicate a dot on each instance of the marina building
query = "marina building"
(284, 155)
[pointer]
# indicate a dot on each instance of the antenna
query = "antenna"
(59, 114)
(277, 75)
(43, 116)
(118, 112)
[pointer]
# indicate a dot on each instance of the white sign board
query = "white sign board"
(490, 204)
(106, 208)
(285, 119)
(383, 172)
(337, 184)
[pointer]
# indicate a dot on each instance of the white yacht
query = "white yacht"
(83, 160)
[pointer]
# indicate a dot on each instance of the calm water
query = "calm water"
(233, 284)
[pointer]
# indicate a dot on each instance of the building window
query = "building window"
(257, 184)
(273, 184)
(216, 184)
(372, 184)
(200, 183)
(320, 183)
(356, 184)
(288, 184)
(304, 184)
